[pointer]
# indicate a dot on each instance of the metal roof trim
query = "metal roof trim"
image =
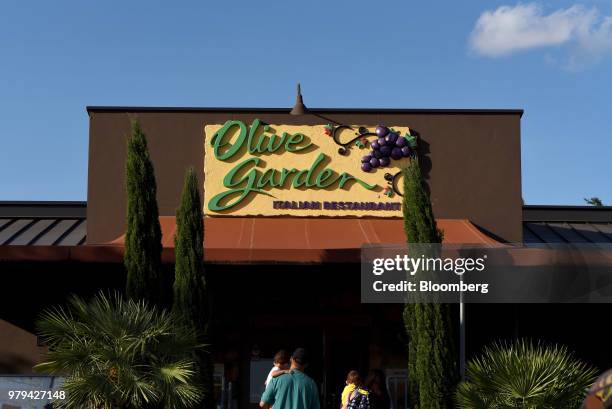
(432, 111)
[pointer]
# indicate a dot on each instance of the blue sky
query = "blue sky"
(552, 59)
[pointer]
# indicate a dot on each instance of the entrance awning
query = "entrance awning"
(306, 240)
(246, 240)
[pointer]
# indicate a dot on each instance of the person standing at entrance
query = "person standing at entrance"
(376, 383)
(293, 390)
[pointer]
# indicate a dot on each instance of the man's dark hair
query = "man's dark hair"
(300, 356)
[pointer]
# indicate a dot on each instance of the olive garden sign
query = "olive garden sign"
(303, 170)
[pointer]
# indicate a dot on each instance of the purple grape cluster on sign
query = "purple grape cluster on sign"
(390, 145)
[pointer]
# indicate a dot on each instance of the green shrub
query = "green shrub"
(522, 374)
(118, 353)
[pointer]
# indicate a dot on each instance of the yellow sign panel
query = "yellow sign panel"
(297, 170)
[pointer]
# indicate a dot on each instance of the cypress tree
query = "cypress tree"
(191, 301)
(189, 285)
(432, 366)
(419, 222)
(143, 246)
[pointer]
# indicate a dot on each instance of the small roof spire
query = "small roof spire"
(299, 108)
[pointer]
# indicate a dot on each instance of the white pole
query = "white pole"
(461, 334)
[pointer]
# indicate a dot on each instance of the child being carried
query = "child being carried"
(281, 365)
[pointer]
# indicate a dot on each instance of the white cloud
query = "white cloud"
(508, 29)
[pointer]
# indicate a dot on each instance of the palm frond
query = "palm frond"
(523, 374)
(118, 352)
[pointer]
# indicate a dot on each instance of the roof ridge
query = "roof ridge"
(476, 111)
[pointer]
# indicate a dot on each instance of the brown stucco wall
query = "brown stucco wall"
(19, 351)
(472, 160)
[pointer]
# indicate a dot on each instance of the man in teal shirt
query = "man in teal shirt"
(292, 390)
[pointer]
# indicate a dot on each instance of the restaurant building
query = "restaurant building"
(288, 205)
